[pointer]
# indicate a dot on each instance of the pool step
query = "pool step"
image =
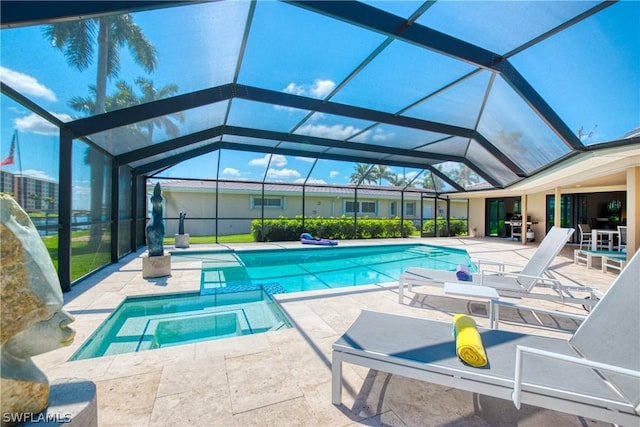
(212, 279)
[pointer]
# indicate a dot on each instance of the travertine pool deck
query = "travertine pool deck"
(283, 378)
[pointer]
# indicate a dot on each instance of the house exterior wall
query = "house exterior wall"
(477, 215)
(237, 209)
(536, 209)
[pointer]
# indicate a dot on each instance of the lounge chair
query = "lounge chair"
(595, 374)
(512, 284)
(588, 256)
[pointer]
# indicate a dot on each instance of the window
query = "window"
(360, 207)
(350, 207)
(368, 207)
(410, 208)
(393, 210)
(268, 202)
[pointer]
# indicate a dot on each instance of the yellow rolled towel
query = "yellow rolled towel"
(469, 346)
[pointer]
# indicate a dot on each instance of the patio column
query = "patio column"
(557, 204)
(523, 229)
(633, 210)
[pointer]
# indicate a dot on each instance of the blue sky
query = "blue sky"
(589, 74)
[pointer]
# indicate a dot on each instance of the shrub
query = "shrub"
(284, 229)
(457, 227)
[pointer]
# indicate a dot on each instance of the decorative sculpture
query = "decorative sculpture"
(181, 222)
(32, 319)
(155, 227)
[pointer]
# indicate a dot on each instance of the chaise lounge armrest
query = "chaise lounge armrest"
(519, 381)
(516, 278)
(479, 262)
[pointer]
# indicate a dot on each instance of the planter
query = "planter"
(182, 240)
(156, 266)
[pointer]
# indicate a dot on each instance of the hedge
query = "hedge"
(284, 229)
(457, 227)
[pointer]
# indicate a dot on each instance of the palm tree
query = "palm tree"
(429, 181)
(150, 93)
(122, 98)
(464, 176)
(77, 40)
(397, 180)
(381, 172)
(363, 173)
(125, 96)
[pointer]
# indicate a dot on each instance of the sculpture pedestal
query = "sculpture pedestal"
(156, 266)
(72, 402)
(182, 240)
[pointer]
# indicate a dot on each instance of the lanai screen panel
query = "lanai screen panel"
(500, 27)
(212, 142)
(198, 45)
(201, 167)
(308, 54)
(161, 129)
(489, 165)
(334, 127)
(596, 73)
(263, 116)
(458, 104)
(510, 124)
(398, 137)
(399, 76)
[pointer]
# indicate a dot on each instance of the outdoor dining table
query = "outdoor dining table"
(610, 233)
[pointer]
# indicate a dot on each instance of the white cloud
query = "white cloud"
(305, 159)
(294, 89)
(26, 84)
(339, 132)
(322, 88)
(231, 171)
(81, 196)
(318, 89)
(411, 175)
(277, 160)
(282, 173)
(333, 174)
(310, 181)
(36, 124)
(38, 174)
(381, 135)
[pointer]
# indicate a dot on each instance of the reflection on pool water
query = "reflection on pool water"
(236, 288)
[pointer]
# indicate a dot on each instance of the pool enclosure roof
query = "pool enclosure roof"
(478, 95)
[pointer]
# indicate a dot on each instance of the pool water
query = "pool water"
(236, 288)
(322, 267)
(145, 323)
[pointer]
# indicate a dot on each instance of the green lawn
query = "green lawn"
(232, 238)
(85, 256)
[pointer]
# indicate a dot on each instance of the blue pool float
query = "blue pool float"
(308, 239)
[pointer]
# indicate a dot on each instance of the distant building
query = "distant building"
(6, 182)
(33, 194)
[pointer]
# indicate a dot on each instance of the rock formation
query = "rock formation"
(32, 319)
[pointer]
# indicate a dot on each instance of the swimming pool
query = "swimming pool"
(236, 288)
(145, 323)
(321, 267)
